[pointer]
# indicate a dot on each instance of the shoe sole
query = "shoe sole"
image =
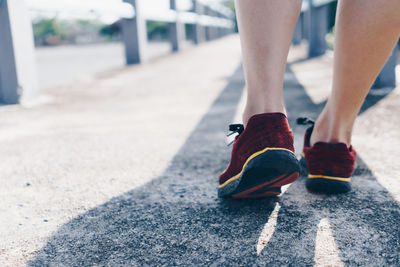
(328, 184)
(324, 183)
(262, 175)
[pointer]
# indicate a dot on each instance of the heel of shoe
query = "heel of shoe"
(278, 166)
(328, 186)
(263, 175)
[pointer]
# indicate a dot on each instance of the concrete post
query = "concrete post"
(176, 30)
(213, 29)
(199, 33)
(305, 24)
(208, 33)
(226, 31)
(134, 33)
(207, 29)
(387, 77)
(318, 29)
(220, 30)
(18, 78)
(216, 28)
(297, 34)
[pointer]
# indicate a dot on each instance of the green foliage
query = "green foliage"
(49, 27)
(108, 31)
(157, 30)
(52, 31)
(230, 4)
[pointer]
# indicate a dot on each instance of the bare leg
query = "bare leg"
(266, 28)
(366, 32)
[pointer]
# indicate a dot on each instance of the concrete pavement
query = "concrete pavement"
(60, 64)
(121, 169)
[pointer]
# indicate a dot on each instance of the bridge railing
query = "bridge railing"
(209, 20)
(18, 79)
(313, 26)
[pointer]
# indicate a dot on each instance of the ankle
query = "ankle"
(330, 129)
(251, 110)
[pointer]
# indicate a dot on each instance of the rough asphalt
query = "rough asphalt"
(176, 219)
(120, 169)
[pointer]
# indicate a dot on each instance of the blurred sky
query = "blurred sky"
(81, 9)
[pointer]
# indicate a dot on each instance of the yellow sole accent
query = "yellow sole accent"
(313, 176)
(237, 176)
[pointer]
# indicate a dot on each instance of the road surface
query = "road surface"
(121, 169)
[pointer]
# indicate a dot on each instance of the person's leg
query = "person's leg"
(266, 28)
(366, 32)
(263, 156)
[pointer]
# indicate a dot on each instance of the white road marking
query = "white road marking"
(268, 229)
(326, 250)
(270, 226)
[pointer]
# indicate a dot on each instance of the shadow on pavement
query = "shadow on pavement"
(176, 219)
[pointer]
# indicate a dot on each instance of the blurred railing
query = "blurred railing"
(210, 20)
(316, 21)
(18, 81)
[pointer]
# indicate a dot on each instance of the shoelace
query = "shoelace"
(239, 128)
(305, 121)
(235, 128)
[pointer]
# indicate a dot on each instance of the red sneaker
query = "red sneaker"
(330, 165)
(262, 159)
